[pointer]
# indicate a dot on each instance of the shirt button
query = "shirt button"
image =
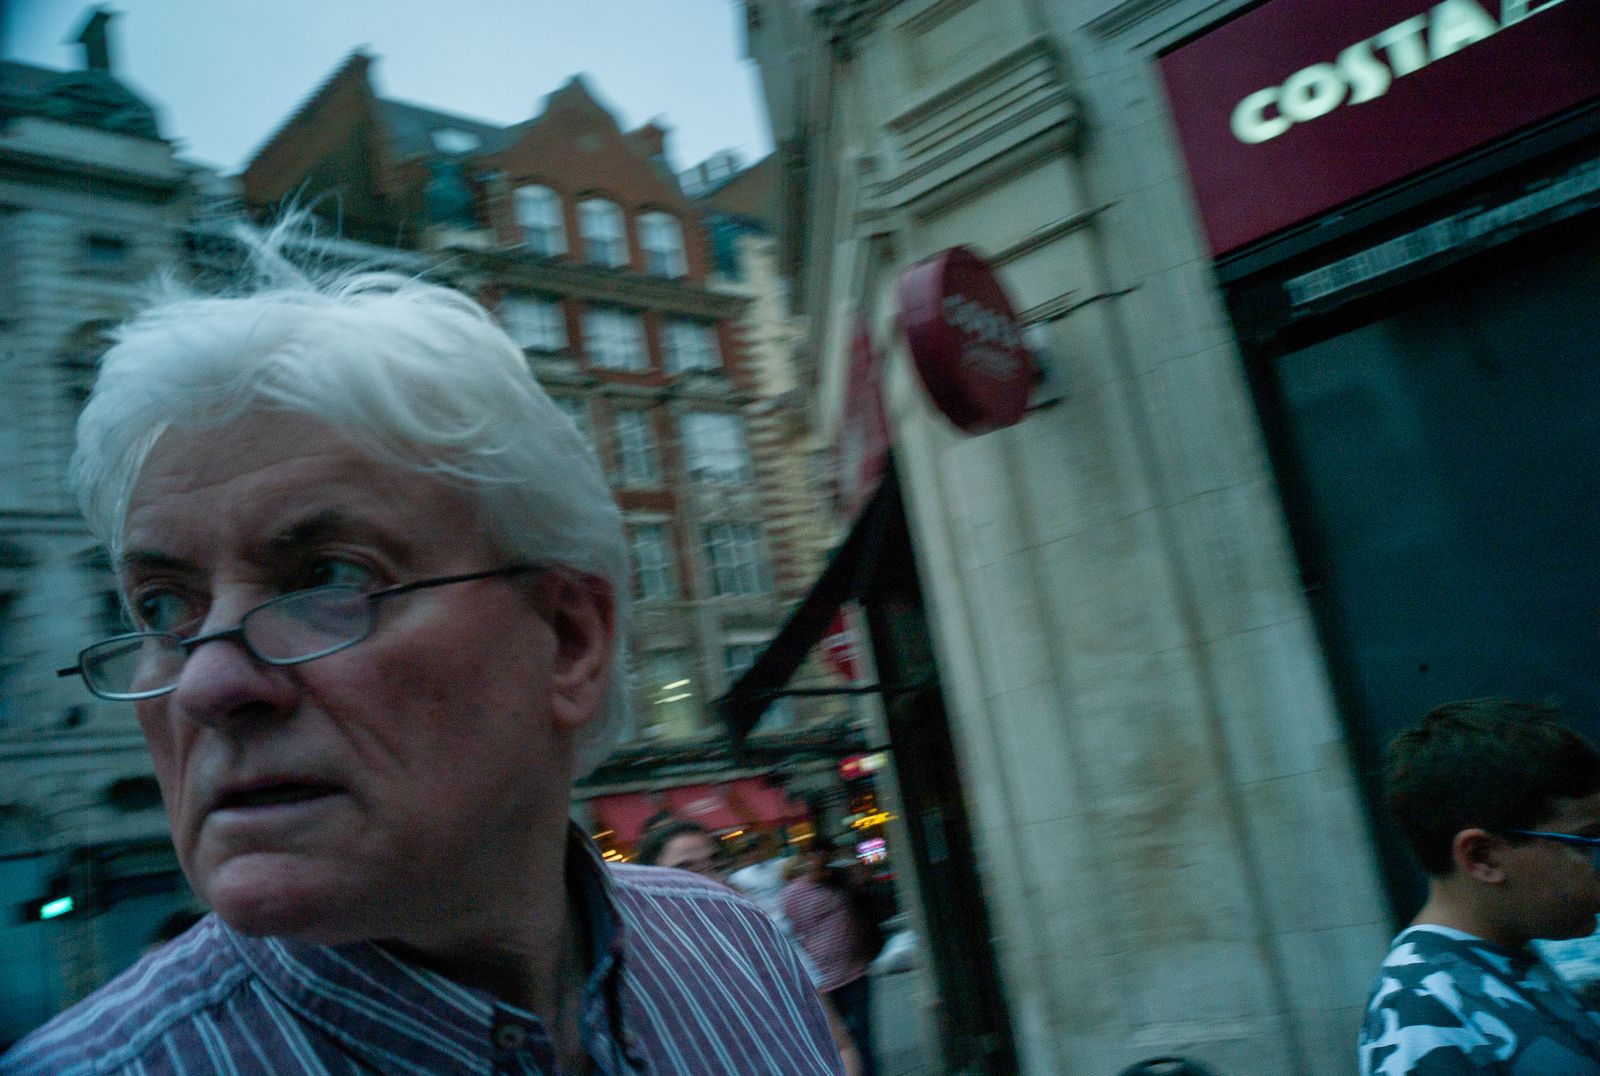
(509, 1036)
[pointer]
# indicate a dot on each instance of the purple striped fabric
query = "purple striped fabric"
(690, 979)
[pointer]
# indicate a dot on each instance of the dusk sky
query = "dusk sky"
(223, 74)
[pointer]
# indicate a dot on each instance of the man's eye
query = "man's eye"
(333, 572)
(162, 611)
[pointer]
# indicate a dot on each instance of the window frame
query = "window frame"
(653, 672)
(744, 572)
(552, 315)
(603, 334)
(711, 455)
(553, 228)
(607, 250)
(703, 355)
(638, 454)
(658, 579)
(669, 260)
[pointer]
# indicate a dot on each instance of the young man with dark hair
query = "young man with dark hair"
(1501, 805)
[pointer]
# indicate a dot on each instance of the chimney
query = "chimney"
(650, 141)
(96, 48)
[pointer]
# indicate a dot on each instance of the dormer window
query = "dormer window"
(539, 220)
(661, 237)
(604, 240)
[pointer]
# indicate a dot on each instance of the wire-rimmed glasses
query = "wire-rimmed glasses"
(292, 628)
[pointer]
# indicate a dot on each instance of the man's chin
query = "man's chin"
(255, 895)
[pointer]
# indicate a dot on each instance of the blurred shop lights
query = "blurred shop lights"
(857, 766)
(867, 821)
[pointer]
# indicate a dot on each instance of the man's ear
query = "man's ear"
(581, 612)
(1479, 855)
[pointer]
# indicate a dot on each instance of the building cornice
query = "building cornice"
(49, 170)
(516, 270)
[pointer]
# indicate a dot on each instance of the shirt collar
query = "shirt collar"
(384, 1008)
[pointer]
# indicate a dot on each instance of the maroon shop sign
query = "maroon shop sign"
(862, 447)
(966, 341)
(1298, 106)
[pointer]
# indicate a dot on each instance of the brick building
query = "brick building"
(578, 236)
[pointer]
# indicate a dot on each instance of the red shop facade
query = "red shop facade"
(1402, 201)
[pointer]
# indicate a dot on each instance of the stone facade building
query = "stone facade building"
(1317, 396)
(92, 203)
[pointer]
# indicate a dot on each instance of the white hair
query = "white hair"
(413, 373)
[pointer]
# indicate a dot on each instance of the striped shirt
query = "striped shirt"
(822, 920)
(689, 978)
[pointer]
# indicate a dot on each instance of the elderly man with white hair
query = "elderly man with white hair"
(377, 588)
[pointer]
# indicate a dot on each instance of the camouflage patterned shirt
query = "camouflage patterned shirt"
(1447, 1002)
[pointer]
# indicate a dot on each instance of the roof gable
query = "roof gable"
(574, 141)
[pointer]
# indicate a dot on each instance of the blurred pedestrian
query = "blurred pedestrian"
(1501, 805)
(760, 872)
(682, 846)
(817, 903)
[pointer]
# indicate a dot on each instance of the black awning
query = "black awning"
(845, 577)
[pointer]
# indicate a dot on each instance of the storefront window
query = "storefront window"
(1443, 461)
(668, 706)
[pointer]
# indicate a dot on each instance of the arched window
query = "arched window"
(604, 241)
(539, 220)
(661, 236)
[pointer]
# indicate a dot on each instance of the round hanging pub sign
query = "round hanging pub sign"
(966, 341)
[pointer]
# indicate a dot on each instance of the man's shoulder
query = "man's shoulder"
(656, 902)
(111, 1029)
(641, 888)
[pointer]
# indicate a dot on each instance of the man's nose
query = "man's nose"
(222, 681)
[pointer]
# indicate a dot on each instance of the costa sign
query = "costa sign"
(965, 340)
(1365, 70)
(1299, 106)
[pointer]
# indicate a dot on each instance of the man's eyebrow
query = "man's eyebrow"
(328, 523)
(149, 560)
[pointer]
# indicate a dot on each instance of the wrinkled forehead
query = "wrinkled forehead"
(271, 477)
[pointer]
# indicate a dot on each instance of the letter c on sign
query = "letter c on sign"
(1315, 91)
(1250, 122)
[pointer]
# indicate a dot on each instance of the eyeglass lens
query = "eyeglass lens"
(295, 627)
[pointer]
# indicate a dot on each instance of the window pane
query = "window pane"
(539, 218)
(737, 563)
(690, 345)
(534, 323)
(604, 241)
(655, 577)
(636, 449)
(615, 339)
(662, 239)
(714, 447)
(668, 707)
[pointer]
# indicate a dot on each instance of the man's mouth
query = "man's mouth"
(273, 795)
